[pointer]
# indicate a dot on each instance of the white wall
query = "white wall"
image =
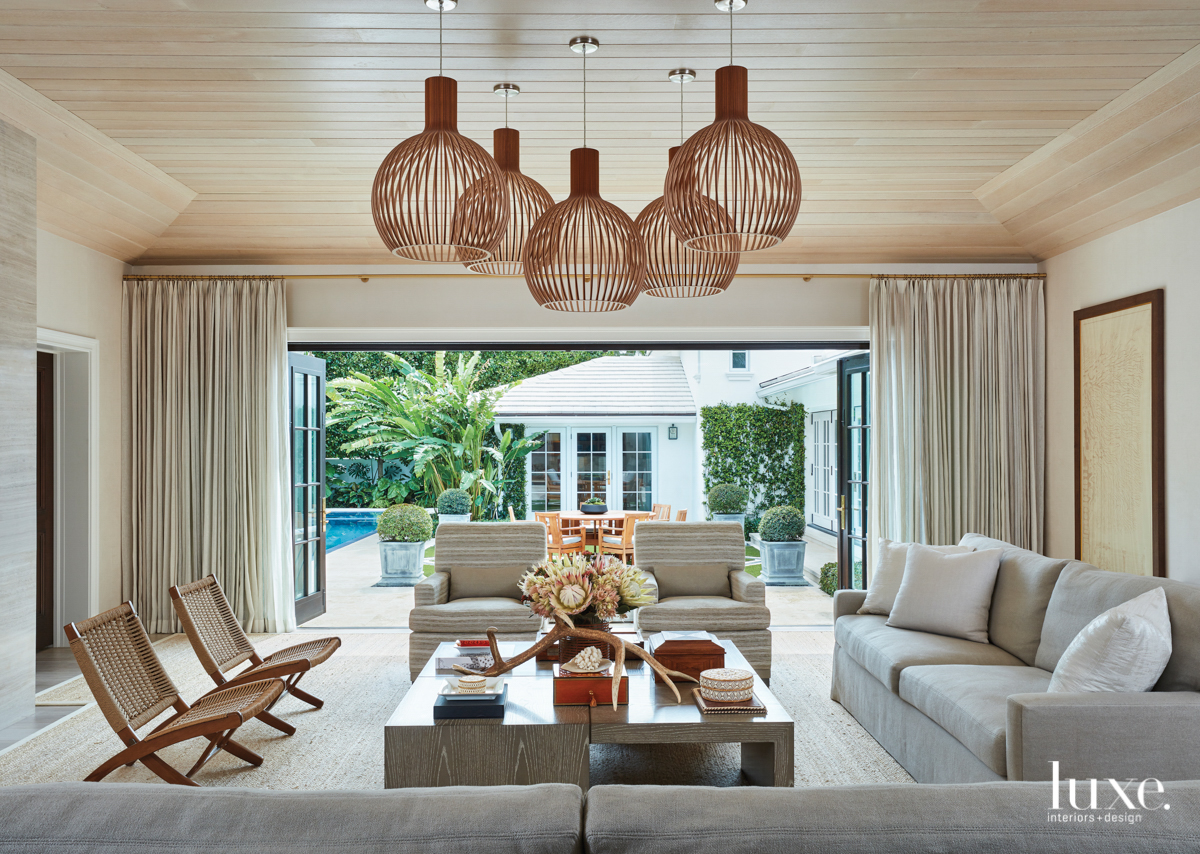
(1161, 252)
(79, 292)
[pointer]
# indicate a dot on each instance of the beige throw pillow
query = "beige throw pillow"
(947, 594)
(889, 572)
(697, 579)
(474, 582)
(1125, 649)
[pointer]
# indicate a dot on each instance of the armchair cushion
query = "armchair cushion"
(709, 613)
(432, 590)
(694, 579)
(474, 615)
(971, 702)
(746, 588)
(474, 582)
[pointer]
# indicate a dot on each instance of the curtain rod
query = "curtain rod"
(805, 276)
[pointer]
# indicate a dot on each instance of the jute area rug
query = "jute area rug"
(341, 746)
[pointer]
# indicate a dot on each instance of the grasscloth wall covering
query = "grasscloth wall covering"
(207, 487)
(958, 377)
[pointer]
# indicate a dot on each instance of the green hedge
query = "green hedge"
(758, 447)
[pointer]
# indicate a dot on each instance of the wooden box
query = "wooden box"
(687, 652)
(589, 690)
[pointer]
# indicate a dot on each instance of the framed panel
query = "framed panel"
(1120, 484)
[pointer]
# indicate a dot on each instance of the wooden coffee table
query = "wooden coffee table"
(538, 742)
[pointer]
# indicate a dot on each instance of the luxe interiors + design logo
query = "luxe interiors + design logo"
(1131, 799)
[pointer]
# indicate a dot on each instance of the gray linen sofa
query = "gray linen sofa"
(954, 711)
(995, 818)
(698, 573)
(474, 586)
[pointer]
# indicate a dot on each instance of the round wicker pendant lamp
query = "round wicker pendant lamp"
(528, 199)
(673, 270)
(744, 168)
(584, 254)
(438, 197)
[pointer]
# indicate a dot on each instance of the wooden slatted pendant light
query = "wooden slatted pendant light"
(438, 196)
(584, 254)
(744, 168)
(673, 270)
(528, 199)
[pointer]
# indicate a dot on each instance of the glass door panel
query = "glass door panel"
(854, 386)
(592, 472)
(308, 484)
(546, 474)
(823, 513)
(637, 470)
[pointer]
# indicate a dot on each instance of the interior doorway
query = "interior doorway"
(46, 474)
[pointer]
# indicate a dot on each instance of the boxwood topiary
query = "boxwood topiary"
(783, 524)
(405, 523)
(454, 502)
(727, 498)
(829, 578)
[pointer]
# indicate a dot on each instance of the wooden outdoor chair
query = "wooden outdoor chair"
(662, 512)
(220, 644)
(681, 516)
(132, 689)
(617, 536)
(559, 542)
(512, 517)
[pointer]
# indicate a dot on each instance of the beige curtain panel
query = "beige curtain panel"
(958, 432)
(206, 480)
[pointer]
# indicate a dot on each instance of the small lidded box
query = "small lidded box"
(727, 685)
(688, 652)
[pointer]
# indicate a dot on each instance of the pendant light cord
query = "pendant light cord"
(731, 32)
(585, 53)
(440, 40)
(681, 112)
(506, 112)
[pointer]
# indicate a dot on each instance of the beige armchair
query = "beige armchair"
(474, 586)
(699, 573)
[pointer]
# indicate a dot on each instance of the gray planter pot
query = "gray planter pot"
(783, 563)
(740, 518)
(402, 564)
(453, 517)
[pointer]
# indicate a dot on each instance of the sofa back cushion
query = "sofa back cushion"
(1084, 593)
(1024, 584)
(480, 544)
(693, 579)
(472, 582)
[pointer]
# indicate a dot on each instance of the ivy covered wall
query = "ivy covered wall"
(758, 447)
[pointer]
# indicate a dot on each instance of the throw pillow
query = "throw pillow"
(474, 582)
(889, 572)
(947, 594)
(697, 579)
(1125, 649)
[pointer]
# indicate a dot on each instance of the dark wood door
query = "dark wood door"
(854, 433)
(308, 484)
(45, 500)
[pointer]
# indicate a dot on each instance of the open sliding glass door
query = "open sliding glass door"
(307, 384)
(854, 409)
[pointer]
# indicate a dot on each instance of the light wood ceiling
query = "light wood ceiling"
(277, 112)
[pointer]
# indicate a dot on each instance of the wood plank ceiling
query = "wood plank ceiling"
(277, 112)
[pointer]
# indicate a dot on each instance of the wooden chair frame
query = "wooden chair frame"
(220, 643)
(623, 528)
(132, 688)
(661, 512)
(681, 516)
(555, 535)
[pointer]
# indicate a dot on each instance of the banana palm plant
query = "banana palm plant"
(437, 423)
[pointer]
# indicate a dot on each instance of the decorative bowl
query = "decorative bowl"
(727, 685)
(594, 509)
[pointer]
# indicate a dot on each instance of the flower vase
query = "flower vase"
(569, 646)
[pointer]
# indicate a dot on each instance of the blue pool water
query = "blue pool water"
(344, 527)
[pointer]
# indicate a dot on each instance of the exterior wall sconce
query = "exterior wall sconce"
(672, 432)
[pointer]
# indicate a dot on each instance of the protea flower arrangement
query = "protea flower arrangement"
(584, 589)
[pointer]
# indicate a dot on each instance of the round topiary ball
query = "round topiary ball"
(454, 502)
(726, 498)
(781, 525)
(404, 523)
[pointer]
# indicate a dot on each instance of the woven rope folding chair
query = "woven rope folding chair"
(221, 645)
(132, 688)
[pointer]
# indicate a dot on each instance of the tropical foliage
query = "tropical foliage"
(758, 447)
(405, 523)
(440, 426)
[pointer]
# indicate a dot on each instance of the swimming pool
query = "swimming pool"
(344, 527)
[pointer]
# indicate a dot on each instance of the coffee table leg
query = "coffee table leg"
(767, 763)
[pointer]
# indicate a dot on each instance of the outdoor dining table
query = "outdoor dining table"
(596, 520)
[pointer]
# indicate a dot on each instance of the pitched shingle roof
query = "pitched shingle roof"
(608, 385)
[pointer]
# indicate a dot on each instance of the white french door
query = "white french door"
(592, 456)
(618, 465)
(637, 468)
(823, 507)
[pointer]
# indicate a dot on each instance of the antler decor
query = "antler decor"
(562, 630)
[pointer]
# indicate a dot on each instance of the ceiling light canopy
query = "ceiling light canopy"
(673, 270)
(528, 199)
(438, 197)
(584, 254)
(742, 167)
